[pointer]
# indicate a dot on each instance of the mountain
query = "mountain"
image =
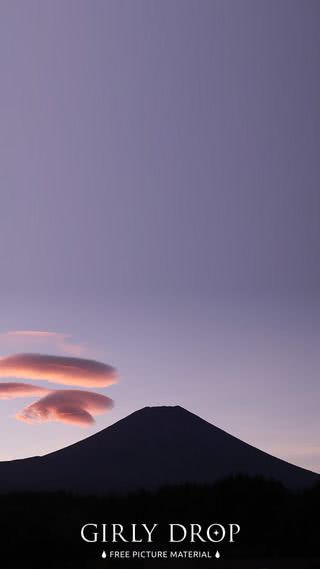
(150, 448)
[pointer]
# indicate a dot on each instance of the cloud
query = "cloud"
(13, 390)
(67, 406)
(72, 406)
(58, 369)
(60, 341)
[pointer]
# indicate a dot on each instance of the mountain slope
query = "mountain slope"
(147, 449)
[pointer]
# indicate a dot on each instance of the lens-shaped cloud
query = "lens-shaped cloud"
(67, 406)
(13, 390)
(36, 338)
(58, 369)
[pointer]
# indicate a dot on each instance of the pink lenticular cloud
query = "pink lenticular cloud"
(13, 390)
(67, 406)
(60, 341)
(58, 369)
(33, 334)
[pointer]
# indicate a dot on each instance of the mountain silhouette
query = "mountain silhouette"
(152, 447)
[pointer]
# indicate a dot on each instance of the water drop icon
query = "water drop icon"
(217, 555)
(104, 555)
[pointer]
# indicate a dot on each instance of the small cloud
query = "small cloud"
(58, 340)
(66, 406)
(13, 390)
(58, 369)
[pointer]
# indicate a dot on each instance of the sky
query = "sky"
(159, 211)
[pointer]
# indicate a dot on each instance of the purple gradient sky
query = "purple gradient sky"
(159, 166)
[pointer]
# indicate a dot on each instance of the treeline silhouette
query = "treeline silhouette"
(43, 529)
